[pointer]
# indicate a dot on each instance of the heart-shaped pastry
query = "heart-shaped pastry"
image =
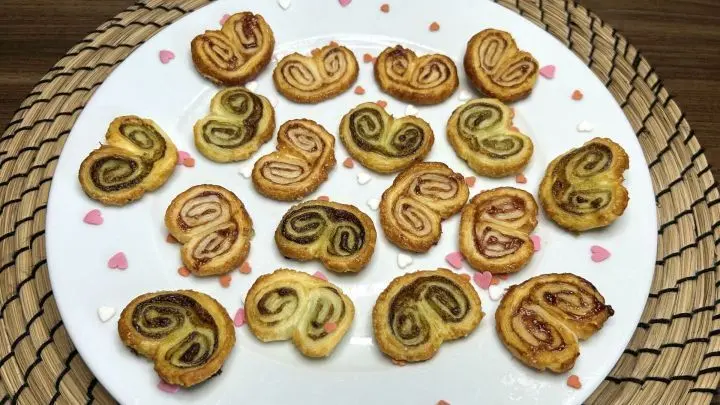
(429, 79)
(138, 157)
(328, 72)
(341, 236)
(498, 68)
(304, 157)
(494, 230)
(236, 53)
(239, 122)
(582, 189)
(481, 133)
(382, 143)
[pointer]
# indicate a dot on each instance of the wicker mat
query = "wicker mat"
(673, 357)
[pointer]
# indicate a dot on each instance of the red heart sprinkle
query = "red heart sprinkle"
(574, 382)
(349, 163)
(225, 280)
(183, 271)
(359, 90)
(385, 8)
(434, 27)
(367, 58)
(520, 178)
(577, 95)
(245, 268)
(470, 181)
(381, 103)
(330, 327)
(483, 280)
(93, 217)
(323, 198)
(118, 261)
(239, 318)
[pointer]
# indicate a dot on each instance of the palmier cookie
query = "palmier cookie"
(498, 68)
(289, 304)
(481, 133)
(304, 157)
(428, 79)
(187, 334)
(341, 236)
(325, 74)
(541, 320)
(236, 53)
(382, 143)
(494, 230)
(417, 312)
(213, 226)
(420, 198)
(137, 157)
(239, 122)
(582, 189)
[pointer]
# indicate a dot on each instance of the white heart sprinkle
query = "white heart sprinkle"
(106, 313)
(363, 178)
(411, 110)
(284, 4)
(274, 101)
(246, 171)
(585, 126)
(496, 292)
(464, 95)
(251, 85)
(404, 260)
(373, 203)
(277, 57)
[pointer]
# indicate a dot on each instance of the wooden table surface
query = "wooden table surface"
(680, 38)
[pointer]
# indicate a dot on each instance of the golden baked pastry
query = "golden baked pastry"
(417, 312)
(419, 199)
(382, 143)
(541, 320)
(428, 79)
(187, 334)
(582, 189)
(341, 236)
(213, 226)
(236, 53)
(481, 133)
(325, 74)
(289, 304)
(494, 230)
(498, 68)
(239, 123)
(304, 157)
(138, 157)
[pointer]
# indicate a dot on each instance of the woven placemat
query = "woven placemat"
(673, 357)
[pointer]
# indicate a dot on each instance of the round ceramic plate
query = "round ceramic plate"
(471, 370)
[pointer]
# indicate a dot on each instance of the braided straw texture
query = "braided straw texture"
(673, 357)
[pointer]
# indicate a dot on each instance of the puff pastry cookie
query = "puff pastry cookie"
(138, 157)
(187, 334)
(304, 157)
(419, 199)
(239, 123)
(582, 189)
(325, 74)
(417, 312)
(213, 226)
(481, 133)
(236, 53)
(290, 305)
(541, 320)
(341, 236)
(494, 230)
(382, 143)
(428, 79)
(498, 68)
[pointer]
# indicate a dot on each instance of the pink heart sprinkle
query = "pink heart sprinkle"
(166, 56)
(548, 71)
(224, 18)
(93, 217)
(239, 319)
(182, 155)
(118, 261)
(455, 259)
(330, 327)
(344, 2)
(536, 242)
(599, 253)
(169, 388)
(483, 280)
(320, 275)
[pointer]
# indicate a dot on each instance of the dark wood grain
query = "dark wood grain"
(680, 38)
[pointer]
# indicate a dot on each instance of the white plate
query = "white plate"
(477, 369)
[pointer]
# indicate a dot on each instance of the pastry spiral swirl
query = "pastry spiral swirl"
(382, 143)
(138, 157)
(289, 304)
(480, 132)
(304, 157)
(582, 189)
(498, 68)
(187, 334)
(417, 312)
(419, 199)
(329, 71)
(239, 122)
(341, 236)
(236, 53)
(541, 320)
(213, 226)
(494, 230)
(429, 79)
